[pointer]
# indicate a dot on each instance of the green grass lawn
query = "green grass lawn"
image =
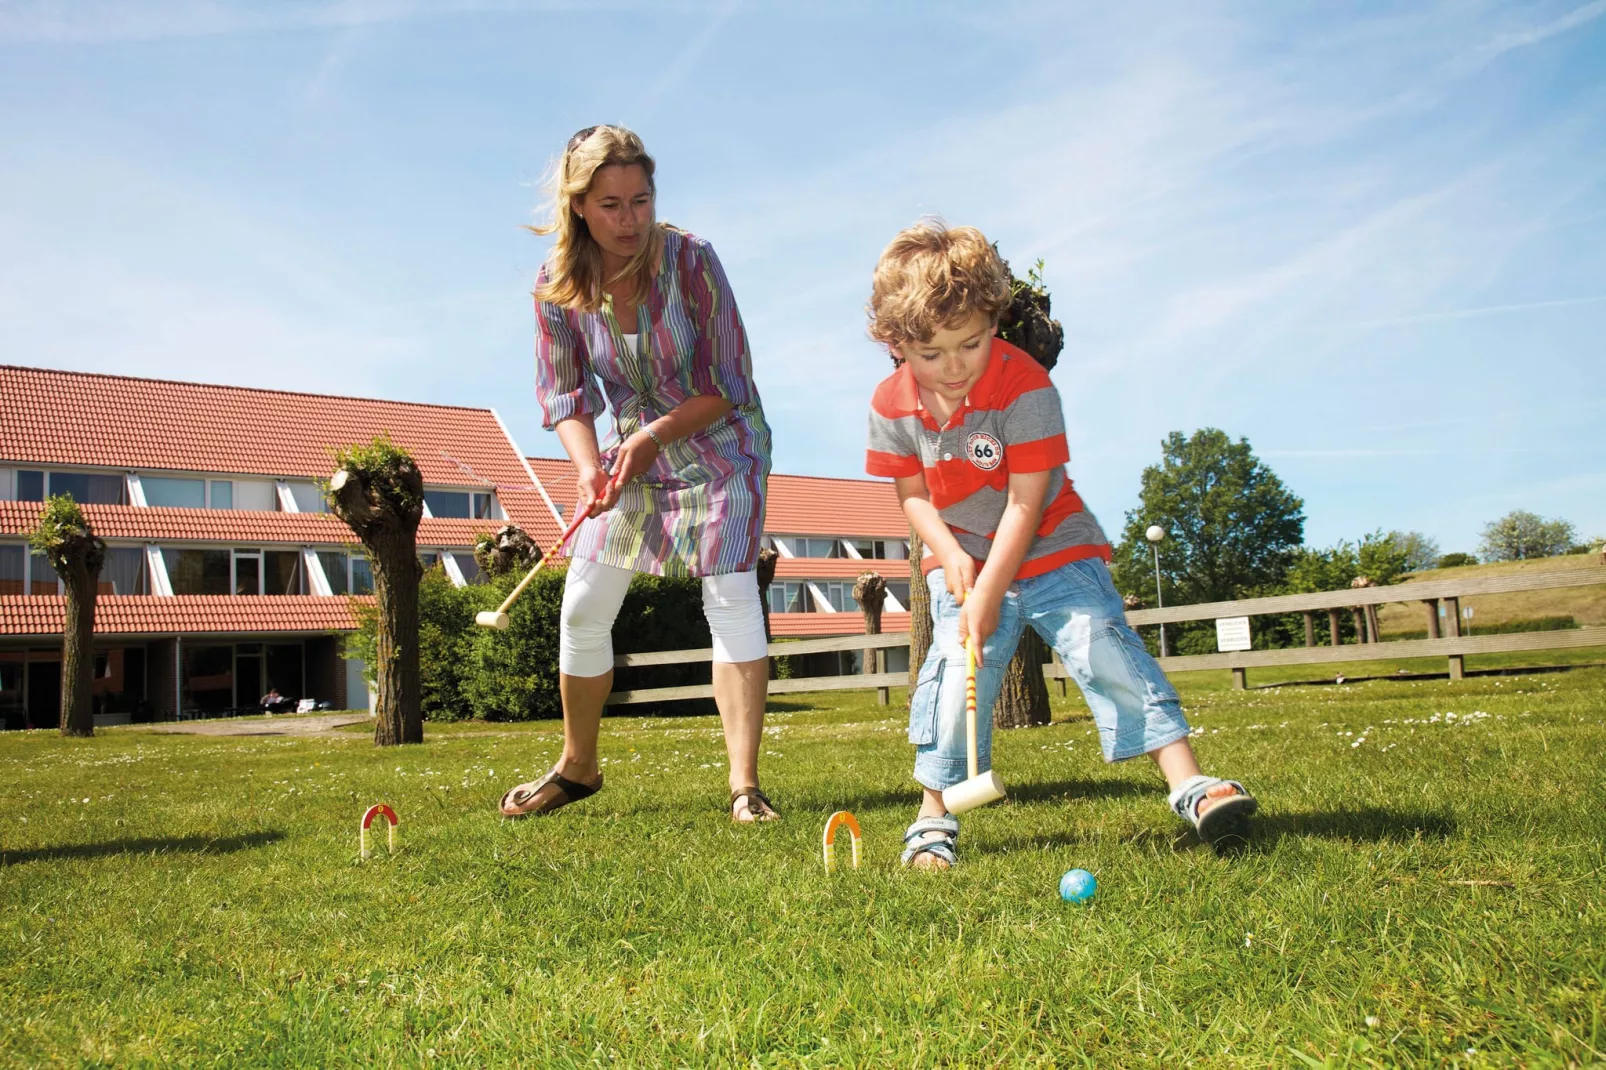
(1424, 890)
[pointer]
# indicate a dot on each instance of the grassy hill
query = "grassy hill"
(1586, 605)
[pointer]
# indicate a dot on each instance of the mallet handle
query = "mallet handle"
(513, 596)
(970, 711)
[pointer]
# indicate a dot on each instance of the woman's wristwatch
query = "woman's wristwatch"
(647, 428)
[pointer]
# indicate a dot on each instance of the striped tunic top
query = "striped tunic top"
(699, 510)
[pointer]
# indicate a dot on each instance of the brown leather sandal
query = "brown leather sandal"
(513, 803)
(764, 811)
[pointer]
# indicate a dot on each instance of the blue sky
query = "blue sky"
(1370, 240)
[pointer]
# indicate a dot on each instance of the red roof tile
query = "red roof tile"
(127, 522)
(798, 505)
(837, 568)
(182, 615)
(815, 625)
(75, 418)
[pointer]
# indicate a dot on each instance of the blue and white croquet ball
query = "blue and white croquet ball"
(1077, 886)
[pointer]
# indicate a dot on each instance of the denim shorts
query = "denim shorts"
(1076, 610)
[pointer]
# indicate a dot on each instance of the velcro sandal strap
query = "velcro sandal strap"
(947, 824)
(1190, 793)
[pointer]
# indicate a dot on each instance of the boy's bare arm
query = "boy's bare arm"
(1016, 528)
(957, 566)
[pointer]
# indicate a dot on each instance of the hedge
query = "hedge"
(512, 675)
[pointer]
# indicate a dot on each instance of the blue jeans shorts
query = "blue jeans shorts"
(1076, 610)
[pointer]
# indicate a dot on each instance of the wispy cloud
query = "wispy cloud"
(1532, 35)
(131, 20)
(1465, 313)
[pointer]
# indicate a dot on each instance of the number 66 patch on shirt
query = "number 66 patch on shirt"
(1010, 422)
(986, 452)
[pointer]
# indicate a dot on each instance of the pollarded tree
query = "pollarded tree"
(870, 592)
(378, 491)
(1028, 323)
(77, 554)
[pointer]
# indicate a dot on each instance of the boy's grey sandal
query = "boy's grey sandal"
(942, 847)
(1226, 819)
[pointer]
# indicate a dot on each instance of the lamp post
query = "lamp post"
(1154, 535)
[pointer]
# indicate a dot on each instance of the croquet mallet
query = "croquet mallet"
(980, 788)
(498, 618)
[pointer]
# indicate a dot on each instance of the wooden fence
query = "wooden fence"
(1454, 646)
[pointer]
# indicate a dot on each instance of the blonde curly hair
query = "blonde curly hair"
(933, 276)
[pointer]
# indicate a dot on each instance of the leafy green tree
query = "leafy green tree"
(1456, 560)
(1232, 527)
(1383, 559)
(77, 554)
(1421, 551)
(1520, 535)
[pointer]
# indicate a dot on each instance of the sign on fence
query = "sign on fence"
(1232, 633)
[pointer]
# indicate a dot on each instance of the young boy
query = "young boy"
(970, 428)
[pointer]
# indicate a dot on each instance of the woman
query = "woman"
(646, 309)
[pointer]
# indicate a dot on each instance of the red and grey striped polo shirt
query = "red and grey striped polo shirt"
(1011, 421)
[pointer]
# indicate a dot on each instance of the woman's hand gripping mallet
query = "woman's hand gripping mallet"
(980, 788)
(498, 618)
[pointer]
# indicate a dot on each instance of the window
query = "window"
(281, 572)
(256, 495)
(790, 597)
(840, 593)
(222, 494)
(485, 507)
(208, 677)
(429, 558)
(197, 571)
(899, 589)
(882, 549)
(166, 493)
(284, 666)
(13, 560)
(334, 570)
(452, 504)
(30, 486)
(247, 572)
(43, 576)
(362, 575)
(124, 571)
(802, 546)
(309, 499)
(469, 567)
(87, 488)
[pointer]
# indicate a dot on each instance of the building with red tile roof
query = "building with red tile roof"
(226, 577)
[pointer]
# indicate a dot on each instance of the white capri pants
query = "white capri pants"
(593, 593)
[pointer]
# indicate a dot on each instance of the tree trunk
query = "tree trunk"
(1024, 700)
(919, 611)
(400, 716)
(871, 593)
(83, 559)
(766, 576)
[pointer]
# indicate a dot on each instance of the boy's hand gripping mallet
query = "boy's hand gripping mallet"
(981, 788)
(498, 618)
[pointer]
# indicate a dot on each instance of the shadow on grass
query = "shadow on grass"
(1364, 825)
(1036, 792)
(198, 845)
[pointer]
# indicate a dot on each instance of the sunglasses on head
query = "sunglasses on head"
(579, 137)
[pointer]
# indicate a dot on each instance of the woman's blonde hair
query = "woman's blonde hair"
(932, 276)
(574, 266)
